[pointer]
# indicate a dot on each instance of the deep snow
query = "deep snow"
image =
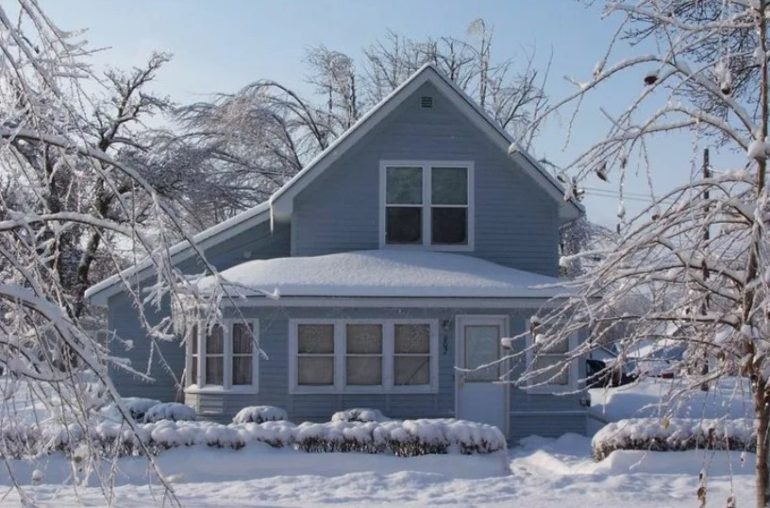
(385, 273)
(540, 473)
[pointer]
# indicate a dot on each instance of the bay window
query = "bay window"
(223, 357)
(427, 204)
(363, 356)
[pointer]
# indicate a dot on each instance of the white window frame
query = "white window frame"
(340, 355)
(572, 372)
(427, 204)
(227, 371)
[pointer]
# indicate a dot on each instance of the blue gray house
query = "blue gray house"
(412, 245)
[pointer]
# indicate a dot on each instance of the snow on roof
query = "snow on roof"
(385, 273)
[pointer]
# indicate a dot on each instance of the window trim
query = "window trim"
(340, 354)
(572, 372)
(227, 370)
(427, 204)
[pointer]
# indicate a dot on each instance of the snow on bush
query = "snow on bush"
(359, 415)
(173, 411)
(676, 434)
(137, 406)
(260, 414)
(401, 438)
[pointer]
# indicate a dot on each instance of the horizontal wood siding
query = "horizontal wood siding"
(123, 319)
(516, 222)
(557, 414)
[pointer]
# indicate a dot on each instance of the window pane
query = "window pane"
(561, 346)
(214, 370)
(242, 370)
(364, 338)
(315, 338)
(242, 338)
(411, 370)
(404, 186)
(364, 370)
(412, 338)
(449, 226)
(193, 379)
(194, 340)
(482, 346)
(554, 366)
(403, 225)
(315, 370)
(214, 341)
(449, 186)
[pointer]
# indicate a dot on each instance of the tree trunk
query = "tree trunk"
(763, 416)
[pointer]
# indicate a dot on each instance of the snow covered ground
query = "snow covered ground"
(538, 473)
(541, 473)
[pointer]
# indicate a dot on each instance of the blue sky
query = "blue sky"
(221, 46)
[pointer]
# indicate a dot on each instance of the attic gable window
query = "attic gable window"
(427, 204)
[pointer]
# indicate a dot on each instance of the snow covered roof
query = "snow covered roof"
(384, 273)
(98, 293)
(281, 202)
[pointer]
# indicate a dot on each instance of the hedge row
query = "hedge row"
(676, 434)
(401, 438)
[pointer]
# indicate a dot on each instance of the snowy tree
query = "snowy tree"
(260, 136)
(698, 254)
(69, 197)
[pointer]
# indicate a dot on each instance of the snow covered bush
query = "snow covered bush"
(359, 415)
(137, 407)
(173, 411)
(676, 434)
(260, 414)
(406, 438)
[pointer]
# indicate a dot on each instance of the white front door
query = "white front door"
(479, 395)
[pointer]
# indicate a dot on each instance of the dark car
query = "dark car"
(598, 375)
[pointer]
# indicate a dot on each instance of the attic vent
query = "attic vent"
(426, 101)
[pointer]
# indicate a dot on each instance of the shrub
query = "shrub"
(676, 434)
(359, 415)
(260, 414)
(401, 438)
(173, 411)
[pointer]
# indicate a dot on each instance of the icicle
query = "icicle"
(621, 211)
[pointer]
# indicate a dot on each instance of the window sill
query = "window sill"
(236, 390)
(432, 248)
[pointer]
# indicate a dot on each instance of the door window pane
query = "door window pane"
(364, 339)
(364, 370)
(449, 186)
(449, 226)
(482, 346)
(315, 339)
(412, 338)
(404, 186)
(403, 225)
(315, 370)
(411, 370)
(554, 373)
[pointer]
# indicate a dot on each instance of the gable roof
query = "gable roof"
(281, 202)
